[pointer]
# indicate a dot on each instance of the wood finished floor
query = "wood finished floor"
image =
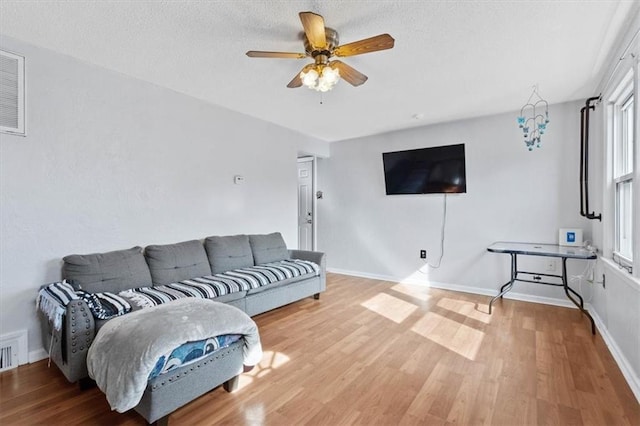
(379, 353)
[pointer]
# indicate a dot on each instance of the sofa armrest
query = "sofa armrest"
(316, 257)
(80, 331)
(68, 346)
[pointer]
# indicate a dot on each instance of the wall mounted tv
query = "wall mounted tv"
(433, 170)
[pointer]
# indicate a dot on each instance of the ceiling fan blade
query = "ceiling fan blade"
(297, 81)
(349, 74)
(285, 55)
(313, 25)
(372, 44)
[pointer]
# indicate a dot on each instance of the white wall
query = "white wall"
(616, 305)
(512, 195)
(110, 162)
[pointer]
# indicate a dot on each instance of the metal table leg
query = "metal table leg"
(508, 285)
(568, 289)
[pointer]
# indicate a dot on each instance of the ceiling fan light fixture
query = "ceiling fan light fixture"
(309, 78)
(321, 78)
(331, 75)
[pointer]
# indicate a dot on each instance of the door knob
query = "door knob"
(309, 221)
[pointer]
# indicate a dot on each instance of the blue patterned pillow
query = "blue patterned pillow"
(191, 352)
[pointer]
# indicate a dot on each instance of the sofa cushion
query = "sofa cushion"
(113, 271)
(171, 263)
(268, 248)
(227, 253)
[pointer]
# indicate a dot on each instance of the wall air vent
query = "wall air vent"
(12, 93)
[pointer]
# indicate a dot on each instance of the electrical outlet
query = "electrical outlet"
(423, 254)
(551, 266)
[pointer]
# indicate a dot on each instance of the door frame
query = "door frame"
(314, 199)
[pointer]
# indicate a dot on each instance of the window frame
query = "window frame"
(624, 99)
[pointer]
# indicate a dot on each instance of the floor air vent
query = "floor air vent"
(13, 349)
(8, 355)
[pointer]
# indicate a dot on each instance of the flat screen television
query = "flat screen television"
(433, 170)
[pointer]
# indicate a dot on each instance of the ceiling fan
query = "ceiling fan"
(321, 44)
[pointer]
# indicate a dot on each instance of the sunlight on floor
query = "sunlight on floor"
(454, 336)
(254, 414)
(419, 277)
(390, 307)
(270, 361)
(468, 309)
(417, 291)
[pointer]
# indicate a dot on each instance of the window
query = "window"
(623, 154)
(11, 93)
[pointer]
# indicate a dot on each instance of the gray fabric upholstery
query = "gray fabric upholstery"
(316, 257)
(69, 345)
(168, 392)
(112, 271)
(268, 248)
(227, 253)
(171, 263)
(281, 295)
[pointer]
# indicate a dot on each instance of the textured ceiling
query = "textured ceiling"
(452, 59)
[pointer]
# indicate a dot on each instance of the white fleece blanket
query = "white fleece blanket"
(127, 348)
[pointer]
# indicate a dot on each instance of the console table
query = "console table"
(548, 250)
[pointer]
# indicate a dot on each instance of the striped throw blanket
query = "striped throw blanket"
(105, 305)
(52, 300)
(211, 286)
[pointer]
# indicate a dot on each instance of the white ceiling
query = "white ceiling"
(452, 59)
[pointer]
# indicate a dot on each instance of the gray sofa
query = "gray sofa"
(156, 265)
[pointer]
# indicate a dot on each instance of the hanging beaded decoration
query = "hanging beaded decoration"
(533, 120)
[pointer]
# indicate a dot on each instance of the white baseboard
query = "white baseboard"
(362, 275)
(457, 287)
(624, 365)
(37, 355)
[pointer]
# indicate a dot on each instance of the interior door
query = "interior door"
(305, 204)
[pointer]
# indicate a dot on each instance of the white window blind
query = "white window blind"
(11, 93)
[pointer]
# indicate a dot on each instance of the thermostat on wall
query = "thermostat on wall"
(570, 237)
(238, 179)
